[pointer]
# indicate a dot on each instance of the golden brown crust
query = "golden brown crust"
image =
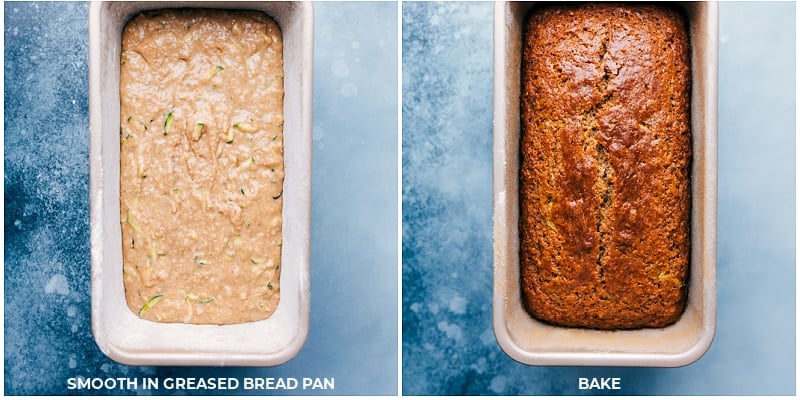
(604, 174)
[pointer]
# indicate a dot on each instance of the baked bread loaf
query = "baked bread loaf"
(604, 176)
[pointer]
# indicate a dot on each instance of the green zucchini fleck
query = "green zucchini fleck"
(245, 127)
(256, 260)
(131, 220)
(198, 130)
(269, 285)
(229, 137)
(150, 303)
(125, 135)
(278, 196)
(142, 124)
(200, 261)
(168, 124)
(247, 163)
(214, 71)
(206, 300)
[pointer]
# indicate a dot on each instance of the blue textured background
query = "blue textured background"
(448, 342)
(353, 332)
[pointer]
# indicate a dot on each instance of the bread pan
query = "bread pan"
(121, 334)
(530, 341)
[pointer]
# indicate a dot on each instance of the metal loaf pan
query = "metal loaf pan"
(119, 333)
(530, 341)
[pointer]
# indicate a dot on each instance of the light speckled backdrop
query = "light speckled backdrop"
(448, 343)
(353, 332)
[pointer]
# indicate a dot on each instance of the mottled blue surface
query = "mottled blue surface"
(353, 332)
(448, 343)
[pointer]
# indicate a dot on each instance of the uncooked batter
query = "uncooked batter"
(201, 158)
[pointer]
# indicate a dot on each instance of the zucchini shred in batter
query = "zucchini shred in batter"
(201, 165)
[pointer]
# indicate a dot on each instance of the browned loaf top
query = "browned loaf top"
(604, 175)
